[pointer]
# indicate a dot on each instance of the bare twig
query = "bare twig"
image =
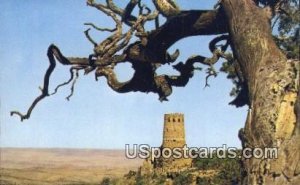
(210, 72)
(86, 32)
(70, 79)
(129, 20)
(100, 29)
(45, 93)
(53, 53)
(142, 7)
(73, 85)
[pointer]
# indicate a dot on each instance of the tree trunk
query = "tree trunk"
(273, 83)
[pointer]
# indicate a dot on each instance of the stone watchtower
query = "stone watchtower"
(173, 137)
(174, 133)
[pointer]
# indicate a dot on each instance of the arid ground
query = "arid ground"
(62, 166)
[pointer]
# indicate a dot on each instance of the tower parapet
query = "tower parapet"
(174, 133)
(173, 137)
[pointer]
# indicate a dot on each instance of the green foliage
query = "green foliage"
(286, 25)
(106, 181)
(288, 28)
(227, 173)
(159, 179)
(207, 163)
(183, 179)
(143, 179)
(230, 69)
(229, 170)
(203, 181)
(130, 174)
(267, 2)
(112, 181)
(139, 179)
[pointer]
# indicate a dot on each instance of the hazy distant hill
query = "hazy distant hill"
(62, 166)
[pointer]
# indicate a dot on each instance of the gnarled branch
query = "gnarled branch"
(145, 54)
(51, 53)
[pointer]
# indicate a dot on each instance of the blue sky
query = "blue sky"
(96, 116)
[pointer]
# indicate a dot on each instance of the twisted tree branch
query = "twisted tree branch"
(51, 53)
(145, 55)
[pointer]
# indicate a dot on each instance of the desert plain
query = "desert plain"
(30, 166)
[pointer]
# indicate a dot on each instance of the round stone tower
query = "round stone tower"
(173, 137)
(173, 134)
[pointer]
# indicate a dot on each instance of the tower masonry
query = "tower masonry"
(173, 137)
(173, 132)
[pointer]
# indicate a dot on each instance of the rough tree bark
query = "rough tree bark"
(273, 118)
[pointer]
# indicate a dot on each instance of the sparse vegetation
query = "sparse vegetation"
(183, 178)
(227, 172)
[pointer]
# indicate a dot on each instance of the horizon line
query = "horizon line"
(69, 148)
